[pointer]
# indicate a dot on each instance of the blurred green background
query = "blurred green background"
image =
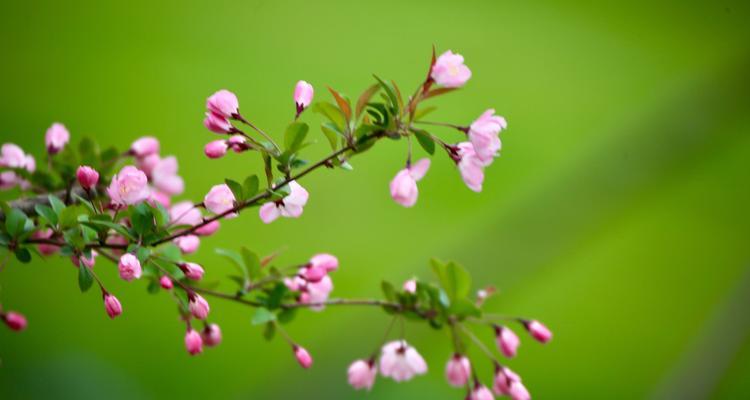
(617, 213)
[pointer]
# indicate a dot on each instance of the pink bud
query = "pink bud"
(223, 103)
(165, 282)
(362, 374)
(220, 199)
(87, 261)
(410, 286)
(508, 383)
(481, 392)
(303, 357)
(303, 95)
(198, 306)
(211, 335)
(45, 249)
(130, 267)
(540, 332)
(507, 341)
(326, 261)
(14, 320)
(458, 370)
(404, 185)
(216, 149)
(238, 143)
(217, 123)
(188, 244)
(193, 342)
(449, 70)
(483, 134)
(208, 229)
(192, 271)
(87, 177)
(145, 146)
(314, 273)
(56, 138)
(112, 305)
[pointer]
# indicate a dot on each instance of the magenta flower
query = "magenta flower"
(470, 167)
(87, 177)
(193, 342)
(449, 70)
(130, 267)
(319, 266)
(361, 374)
(223, 103)
(290, 206)
(145, 146)
(211, 335)
(401, 362)
(537, 330)
(188, 244)
(216, 149)
(481, 392)
(165, 178)
(303, 357)
(198, 306)
(507, 341)
(458, 370)
(217, 123)
(184, 213)
(237, 143)
(129, 186)
(112, 305)
(56, 138)
(303, 95)
(192, 271)
(87, 261)
(219, 200)
(165, 282)
(15, 321)
(404, 185)
(483, 135)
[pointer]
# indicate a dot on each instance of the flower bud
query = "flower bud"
(129, 186)
(537, 330)
(130, 267)
(145, 146)
(87, 261)
(211, 335)
(458, 370)
(219, 199)
(165, 282)
(192, 271)
(217, 124)
(326, 261)
(404, 185)
(481, 392)
(14, 320)
(87, 177)
(112, 305)
(303, 95)
(223, 103)
(303, 357)
(507, 341)
(216, 149)
(361, 374)
(56, 138)
(193, 342)
(188, 244)
(198, 306)
(208, 229)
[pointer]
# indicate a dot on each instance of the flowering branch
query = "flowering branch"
(82, 209)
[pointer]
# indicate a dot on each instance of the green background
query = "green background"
(617, 213)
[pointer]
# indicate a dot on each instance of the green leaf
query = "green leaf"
(287, 315)
(463, 308)
(68, 217)
(269, 331)
(295, 136)
(85, 202)
(153, 286)
(331, 112)
(15, 222)
(389, 91)
(23, 255)
(236, 189)
(388, 290)
(425, 141)
(57, 205)
(142, 219)
(85, 278)
(262, 316)
(235, 258)
(422, 112)
(250, 186)
(116, 227)
(332, 133)
(252, 263)
(454, 279)
(365, 97)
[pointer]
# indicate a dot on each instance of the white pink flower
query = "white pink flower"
(483, 135)
(458, 370)
(219, 200)
(184, 213)
(129, 186)
(216, 149)
(56, 138)
(361, 374)
(129, 267)
(192, 271)
(188, 244)
(217, 123)
(449, 70)
(164, 176)
(401, 362)
(508, 383)
(410, 286)
(481, 392)
(223, 103)
(404, 185)
(303, 95)
(211, 335)
(470, 166)
(145, 146)
(290, 206)
(208, 229)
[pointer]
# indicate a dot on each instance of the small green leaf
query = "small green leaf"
(85, 278)
(23, 255)
(235, 258)
(15, 222)
(287, 315)
(262, 316)
(425, 141)
(331, 112)
(252, 263)
(57, 205)
(295, 136)
(236, 189)
(388, 290)
(454, 279)
(389, 91)
(250, 186)
(332, 133)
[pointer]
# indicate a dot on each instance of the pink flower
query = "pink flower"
(198, 306)
(165, 282)
(193, 342)
(410, 286)
(87, 261)
(158, 197)
(15, 321)
(219, 200)
(165, 178)
(313, 273)
(129, 186)
(8, 180)
(483, 135)
(458, 370)
(317, 292)
(211, 335)
(404, 185)
(87, 177)
(508, 383)
(326, 261)
(56, 138)
(192, 271)
(481, 392)
(208, 229)
(45, 249)
(238, 143)
(361, 374)
(217, 123)
(147, 163)
(449, 70)
(12, 156)
(112, 305)
(290, 206)
(223, 103)
(188, 244)
(184, 213)
(145, 146)
(401, 362)
(303, 357)
(540, 332)
(130, 267)
(216, 149)
(303, 95)
(470, 167)
(30, 163)
(507, 341)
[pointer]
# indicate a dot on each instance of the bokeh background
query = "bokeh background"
(618, 212)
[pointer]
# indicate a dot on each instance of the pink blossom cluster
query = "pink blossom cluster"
(312, 281)
(13, 157)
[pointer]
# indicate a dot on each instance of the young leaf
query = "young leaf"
(344, 106)
(236, 189)
(85, 278)
(235, 258)
(365, 97)
(56, 204)
(332, 133)
(250, 186)
(454, 279)
(15, 221)
(331, 112)
(425, 141)
(252, 263)
(23, 255)
(295, 136)
(262, 316)
(389, 91)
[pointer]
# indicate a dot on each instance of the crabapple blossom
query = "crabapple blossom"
(237, 143)
(410, 286)
(15, 321)
(129, 186)
(538, 331)
(158, 197)
(217, 123)
(223, 103)
(145, 146)
(481, 392)
(458, 370)
(166, 282)
(192, 271)
(290, 206)
(303, 95)
(508, 383)
(404, 185)
(303, 357)
(208, 229)
(449, 70)
(112, 305)
(130, 267)
(219, 200)
(185, 213)
(45, 249)
(147, 163)
(198, 306)
(12, 156)
(87, 261)
(483, 135)
(164, 176)
(507, 341)
(216, 149)
(401, 362)
(56, 137)
(317, 292)
(325, 261)
(211, 335)
(188, 244)
(361, 374)
(470, 166)
(193, 342)
(87, 177)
